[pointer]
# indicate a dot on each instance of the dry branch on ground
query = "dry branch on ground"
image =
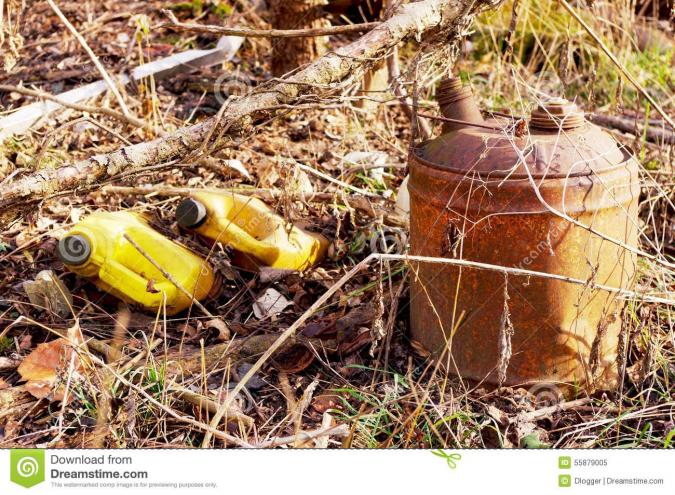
(442, 18)
(337, 366)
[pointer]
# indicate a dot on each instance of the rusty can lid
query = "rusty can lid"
(547, 152)
(556, 114)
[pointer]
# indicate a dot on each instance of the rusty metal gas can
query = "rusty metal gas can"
(556, 195)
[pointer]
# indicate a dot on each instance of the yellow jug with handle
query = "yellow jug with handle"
(97, 249)
(258, 236)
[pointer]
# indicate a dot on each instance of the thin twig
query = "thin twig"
(338, 182)
(305, 436)
(524, 272)
(628, 124)
(547, 411)
(399, 90)
(141, 355)
(458, 121)
(210, 405)
(104, 74)
(265, 33)
(168, 276)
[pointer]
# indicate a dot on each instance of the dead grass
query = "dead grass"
(393, 398)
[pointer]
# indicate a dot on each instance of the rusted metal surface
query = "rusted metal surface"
(473, 196)
(456, 102)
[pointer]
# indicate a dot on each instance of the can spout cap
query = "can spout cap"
(456, 101)
(557, 114)
(190, 213)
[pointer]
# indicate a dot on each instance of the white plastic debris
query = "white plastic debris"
(403, 198)
(371, 158)
(21, 120)
(238, 166)
(271, 303)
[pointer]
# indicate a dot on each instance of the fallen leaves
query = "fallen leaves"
(326, 402)
(47, 368)
(219, 325)
(270, 303)
(296, 359)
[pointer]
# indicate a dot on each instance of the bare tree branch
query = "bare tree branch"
(265, 33)
(325, 75)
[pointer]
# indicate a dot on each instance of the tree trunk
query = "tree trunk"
(290, 53)
(374, 88)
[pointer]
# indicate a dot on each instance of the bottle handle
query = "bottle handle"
(117, 275)
(242, 241)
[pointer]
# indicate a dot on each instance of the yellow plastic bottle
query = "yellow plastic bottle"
(258, 236)
(96, 248)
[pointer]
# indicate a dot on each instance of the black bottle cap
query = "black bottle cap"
(74, 249)
(190, 213)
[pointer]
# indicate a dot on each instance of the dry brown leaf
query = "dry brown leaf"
(26, 342)
(325, 402)
(267, 173)
(192, 333)
(498, 415)
(43, 368)
(296, 359)
(224, 333)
